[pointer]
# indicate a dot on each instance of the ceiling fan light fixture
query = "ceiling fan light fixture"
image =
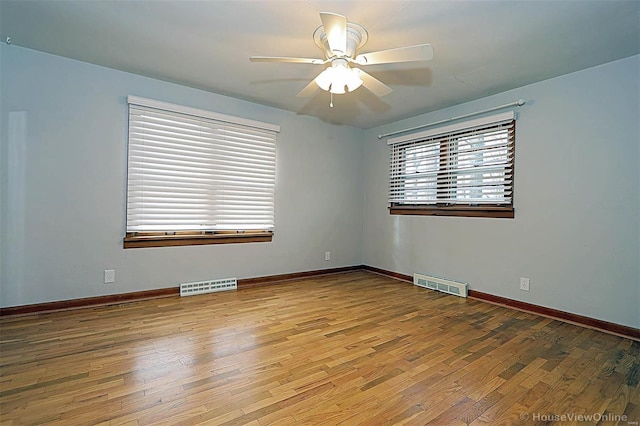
(340, 78)
(325, 79)
(339, 75)
(337, 89)
(354, 81)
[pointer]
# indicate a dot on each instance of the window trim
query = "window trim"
(142, 239)
(489, 210)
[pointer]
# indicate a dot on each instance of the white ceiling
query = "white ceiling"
(481, 47)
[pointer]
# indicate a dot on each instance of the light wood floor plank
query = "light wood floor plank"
(349, 348)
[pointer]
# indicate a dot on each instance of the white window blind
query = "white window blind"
(465, 164)
(192, 172)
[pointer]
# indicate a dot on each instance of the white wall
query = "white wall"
(576, 234)
(576, 231)
(63, 171)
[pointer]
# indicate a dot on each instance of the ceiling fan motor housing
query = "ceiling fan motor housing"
(357, 36)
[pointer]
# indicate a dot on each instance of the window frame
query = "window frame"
(185, 237)
(142, 240)
(430, 138)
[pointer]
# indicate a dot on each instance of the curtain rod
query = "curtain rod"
(519, 102)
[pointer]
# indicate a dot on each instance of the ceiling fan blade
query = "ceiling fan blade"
(335, 26)
(420, 52)
(309, 90)
(286, 59)
(373, 84)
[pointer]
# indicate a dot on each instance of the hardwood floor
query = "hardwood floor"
(350, 348)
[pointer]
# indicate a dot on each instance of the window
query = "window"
(460, 170)
(197, 177)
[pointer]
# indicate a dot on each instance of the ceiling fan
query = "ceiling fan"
(340, 41)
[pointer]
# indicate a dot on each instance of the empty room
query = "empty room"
(319, 212)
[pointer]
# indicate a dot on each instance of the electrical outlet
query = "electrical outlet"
(524, 284)
(327, 255)
(109, 276)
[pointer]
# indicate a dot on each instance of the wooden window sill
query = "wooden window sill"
(150, 240)
(458, 211)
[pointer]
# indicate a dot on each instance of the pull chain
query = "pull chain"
(331, 103)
